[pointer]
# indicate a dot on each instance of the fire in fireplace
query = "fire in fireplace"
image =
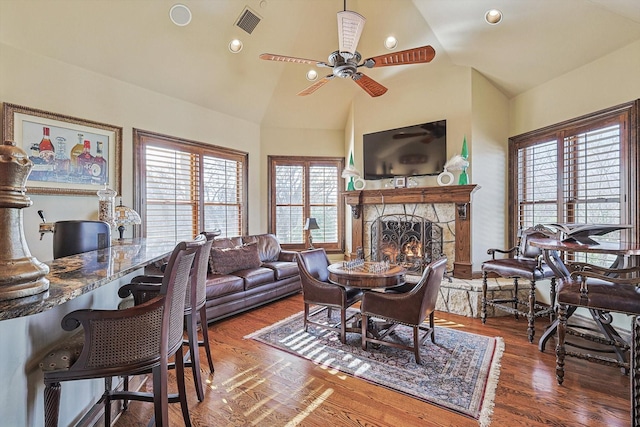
(408, 240)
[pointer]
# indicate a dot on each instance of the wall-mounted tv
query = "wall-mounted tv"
(407, 151)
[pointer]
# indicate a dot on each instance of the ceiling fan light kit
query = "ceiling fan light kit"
(345, 61)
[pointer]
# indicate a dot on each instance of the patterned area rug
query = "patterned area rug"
(460, 372)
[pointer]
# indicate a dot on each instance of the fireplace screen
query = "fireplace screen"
(407, 240)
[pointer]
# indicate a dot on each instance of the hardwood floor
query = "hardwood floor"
(256, 385)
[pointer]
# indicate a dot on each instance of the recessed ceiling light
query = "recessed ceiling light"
(390, 42)
(180, 15)
(312, 75)
(493, 16)
(235, 46)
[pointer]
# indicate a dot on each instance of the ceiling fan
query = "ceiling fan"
(345, 61)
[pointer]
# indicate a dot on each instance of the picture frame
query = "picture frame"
(62, 169)
(399, 182)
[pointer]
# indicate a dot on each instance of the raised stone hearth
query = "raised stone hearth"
(464, 297)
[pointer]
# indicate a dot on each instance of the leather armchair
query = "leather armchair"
(317, 290)
(409, 308)
(524, 261)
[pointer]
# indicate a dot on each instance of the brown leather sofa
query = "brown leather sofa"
(248, 271)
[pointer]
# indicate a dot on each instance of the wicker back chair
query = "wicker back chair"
(317, 290)
(126, 342)
(408, 308)
(145, 287)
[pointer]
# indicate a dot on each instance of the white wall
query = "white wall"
(42, 83)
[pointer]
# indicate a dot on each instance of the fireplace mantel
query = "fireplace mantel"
(460, 195)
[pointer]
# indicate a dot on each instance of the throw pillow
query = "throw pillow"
(228, 260)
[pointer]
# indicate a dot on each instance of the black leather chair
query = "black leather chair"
(526, 263)
(409, 308)
(317, 290)
(126, 342)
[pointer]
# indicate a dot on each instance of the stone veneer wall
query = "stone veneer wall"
(464, 297)
(442, 214)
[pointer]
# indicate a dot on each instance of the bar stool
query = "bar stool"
(604, 290)
(145, 287)
(126, 342)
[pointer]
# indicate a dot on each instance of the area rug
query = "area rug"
(459, 372)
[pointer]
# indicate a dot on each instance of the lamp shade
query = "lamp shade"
(311, 224)
(126, 216)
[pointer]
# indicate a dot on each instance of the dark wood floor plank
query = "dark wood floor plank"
(257, 385)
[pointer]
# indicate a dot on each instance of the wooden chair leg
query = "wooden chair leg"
(560, 350)
(161, 394)
(51, 404)
(483, 310)
(194, 353)
(634, 379)
(343, 325)
(515, 296)
(306, 316)
(182, 395)
(416, 343)
(531, 318)
(205, 336)
(363, 332)
(107, 401)
(432, 327)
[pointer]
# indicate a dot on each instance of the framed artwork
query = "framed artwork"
(399, 182)
(70, 155)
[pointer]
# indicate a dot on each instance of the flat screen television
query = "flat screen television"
(407, 151)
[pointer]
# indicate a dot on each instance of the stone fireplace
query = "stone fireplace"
(405, 239)
(448, 208)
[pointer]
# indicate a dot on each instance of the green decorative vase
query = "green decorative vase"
(350, 186)
(463, 179)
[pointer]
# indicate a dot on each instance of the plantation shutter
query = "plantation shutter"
(188, 187)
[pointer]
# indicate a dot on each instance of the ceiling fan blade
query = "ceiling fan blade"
(416, 55)
(369, 85)
(317, 85)
(282, 58)
(350, 25)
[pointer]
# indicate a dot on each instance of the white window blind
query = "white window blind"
(187, 187)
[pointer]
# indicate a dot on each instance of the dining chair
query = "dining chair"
(602, 291)
(145, 287)
(317, 290)
(126, 342)
(525, 262)
(409, 308)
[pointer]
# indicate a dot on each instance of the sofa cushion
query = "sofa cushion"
(223, 284)
(282, 269)
(228, 260)
(268, 246)
(255, 276)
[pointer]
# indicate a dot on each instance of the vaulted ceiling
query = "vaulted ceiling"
(136, 42)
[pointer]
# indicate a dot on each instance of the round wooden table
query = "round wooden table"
(360, 277)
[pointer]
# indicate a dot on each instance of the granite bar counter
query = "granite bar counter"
(75, 275)
(30, 326)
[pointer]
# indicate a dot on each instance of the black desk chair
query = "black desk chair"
(526, 263)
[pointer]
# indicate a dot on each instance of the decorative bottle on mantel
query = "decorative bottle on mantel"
(464, 179)
(21, 274)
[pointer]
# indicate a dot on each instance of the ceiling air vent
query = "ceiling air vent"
(248, 20)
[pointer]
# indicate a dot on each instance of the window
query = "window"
(184, 187)
(306, 187)
(580, 171)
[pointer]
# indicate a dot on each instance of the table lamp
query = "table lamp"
(125, 216)
(311, 224)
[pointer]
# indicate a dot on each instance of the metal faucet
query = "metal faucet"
(45, 227)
